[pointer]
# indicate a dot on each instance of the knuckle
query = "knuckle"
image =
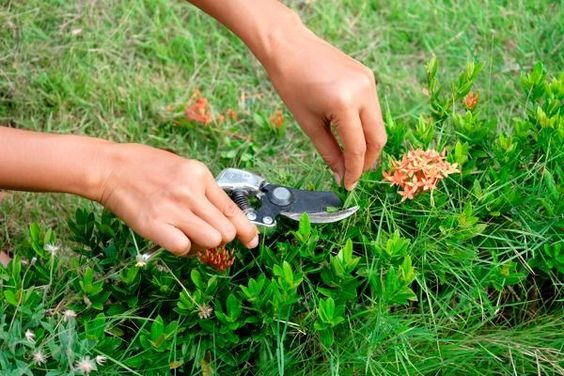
(199, 169)
(379, 143)
(231, 209)
(330, 158)
(215, 240)
(342, 101)
(181, 195)
(369, 75)
(229, 233)
(383, 140)
(357, 152)
(181, 248)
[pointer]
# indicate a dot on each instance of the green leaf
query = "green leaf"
(328, 307)
(35, 233)
(461, 152)
(326, 336)
(94, 328)
(11, 298)
(233, 307)
(261, 120)
(407, 273)
(397, 246)
(157, 328)
(196, 277)
(304, 230)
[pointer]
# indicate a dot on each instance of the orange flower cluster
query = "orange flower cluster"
(199, 110)
(471, 100)
(219, 258)
(277, 119)
(419, 171)
(231, 113)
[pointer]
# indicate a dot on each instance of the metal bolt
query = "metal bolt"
(251, 215)
(281, 196)
(267, 220)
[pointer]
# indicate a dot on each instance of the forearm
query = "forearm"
(264, 26)
(42, 162)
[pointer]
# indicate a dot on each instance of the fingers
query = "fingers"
(350, 131)
(216, 219)
(374, 133)
(246, 232)
(199, 231)
(170, 238)
(328, 149)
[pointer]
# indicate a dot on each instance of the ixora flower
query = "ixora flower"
(198, 109)
(39, 357)
(85, 365)
(471, 100)
(219, 258)
(277, 119)
(30, 336)
(419, 171)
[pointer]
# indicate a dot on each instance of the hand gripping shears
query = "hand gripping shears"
(275, 200)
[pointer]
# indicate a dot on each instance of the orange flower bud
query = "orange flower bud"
(218, 258)
(471, 100)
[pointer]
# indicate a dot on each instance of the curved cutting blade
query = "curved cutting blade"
(323, 217)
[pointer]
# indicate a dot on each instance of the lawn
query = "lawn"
(464, 280)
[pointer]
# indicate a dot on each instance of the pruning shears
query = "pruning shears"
(275, 200)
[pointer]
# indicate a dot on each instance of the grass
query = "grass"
(124, 71)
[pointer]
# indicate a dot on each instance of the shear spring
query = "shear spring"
(242, 201)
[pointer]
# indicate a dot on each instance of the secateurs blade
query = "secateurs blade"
(275, 200)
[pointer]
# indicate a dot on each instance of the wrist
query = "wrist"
(264, 26)
(99, 158)
(273, 37)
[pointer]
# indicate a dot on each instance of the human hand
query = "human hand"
(323, 87)
(172, 201)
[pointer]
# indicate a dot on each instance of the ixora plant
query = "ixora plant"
(463, 272)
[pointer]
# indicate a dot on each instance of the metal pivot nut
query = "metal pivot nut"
(281, 196)
(267, 220)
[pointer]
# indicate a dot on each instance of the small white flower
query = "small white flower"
(85, 365)
(39, 357)
(69, 314)
(204, 311)
(51, 248)
(141, 261)
(100, 359)
(30, 336)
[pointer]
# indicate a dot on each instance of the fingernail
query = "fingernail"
(338, 178)
(376, 165)
(254, 243)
